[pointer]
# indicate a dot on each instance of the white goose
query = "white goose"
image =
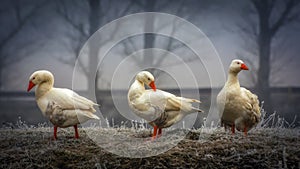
(63, 107)
(161, 109)
(238, 107)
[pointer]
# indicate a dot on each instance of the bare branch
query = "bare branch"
(127, 8)
(257, 5)
(170, 43)
(139, 3)
(186, 60)
(21, 23)
(130, 47)
(284, 17)
(64, 14)
(77, 39)
(17, 10)
(272, 4)
(173, 31)
(280, 49)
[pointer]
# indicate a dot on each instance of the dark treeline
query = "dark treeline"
(21, 104)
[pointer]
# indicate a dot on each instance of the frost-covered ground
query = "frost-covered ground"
(201, 148)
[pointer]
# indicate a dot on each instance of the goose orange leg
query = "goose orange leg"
(245, 131)
(76, 131)
(55, 133)
(154, 133)
(233, 128)
(159, 132)
(225, 126)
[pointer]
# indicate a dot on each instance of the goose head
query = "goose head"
(147, 78)
(38, 77)
(237, 65)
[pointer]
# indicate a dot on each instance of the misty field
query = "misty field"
(201, 148)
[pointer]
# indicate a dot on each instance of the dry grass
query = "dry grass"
(203, 148)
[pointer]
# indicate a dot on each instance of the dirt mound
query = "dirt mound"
(203, 148)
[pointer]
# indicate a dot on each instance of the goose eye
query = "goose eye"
(148, 78)
(33, 78)
(238, 63)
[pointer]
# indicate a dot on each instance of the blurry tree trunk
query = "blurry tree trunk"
(149, 38)
(1, 71)
(267, 29)
(264, 48)
(94, 22)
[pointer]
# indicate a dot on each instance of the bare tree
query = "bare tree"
(97, 16)
(260, 28)
(149, 39)
(82, 30)
(22, 16)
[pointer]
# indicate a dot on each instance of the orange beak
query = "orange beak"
(244, 67)
(30, 86)
(152, 85)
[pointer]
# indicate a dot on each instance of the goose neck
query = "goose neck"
(43, 88)
(233, 79)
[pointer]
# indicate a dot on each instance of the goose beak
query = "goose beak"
(244, 67)
(30, 86)
(152, 85)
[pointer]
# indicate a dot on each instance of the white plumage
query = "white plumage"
(238, 107)
(63, 107)
(161, 109)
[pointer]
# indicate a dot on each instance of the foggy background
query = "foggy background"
(50, 34)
